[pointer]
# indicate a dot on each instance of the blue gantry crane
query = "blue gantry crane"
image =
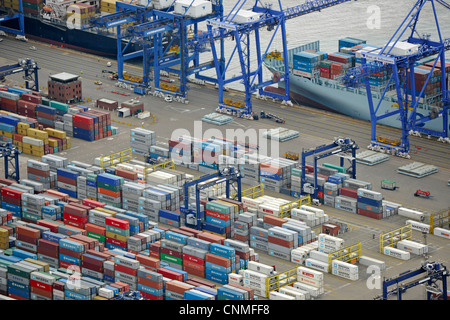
(156, 29)
(10, 153)
(239, 25)
(30, 69)
(400, 59)
(428, 273)
(12, 15)
(340, 147)
(193, 216)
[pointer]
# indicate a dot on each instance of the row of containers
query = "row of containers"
(154, 258)
(311, 63)
(36, 111)
(30, 137)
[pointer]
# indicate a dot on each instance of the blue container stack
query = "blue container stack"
(217, 272)
(67, 181)
(305, 63)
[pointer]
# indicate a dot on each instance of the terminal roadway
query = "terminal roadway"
(316, 127)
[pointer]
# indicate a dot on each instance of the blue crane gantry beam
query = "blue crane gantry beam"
(9, 153)
(340, 145)
(429, 272)
(218, 29)
(29, 67)
(19, 17)
(155, 31)
(193, 217)
(403, 78)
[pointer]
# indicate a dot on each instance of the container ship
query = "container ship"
(315, 80)
(62, 23)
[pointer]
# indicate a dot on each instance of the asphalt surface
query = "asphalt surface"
(316, 128)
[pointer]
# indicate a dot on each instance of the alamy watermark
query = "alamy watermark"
(374, 19)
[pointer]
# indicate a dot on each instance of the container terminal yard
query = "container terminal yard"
(106, 197)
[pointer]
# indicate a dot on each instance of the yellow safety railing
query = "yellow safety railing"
(164, 165)
(350, 254)
(438, 219)
(280, 280)
(252, 192)
(390, 238)
(285, 209)
(116, 158)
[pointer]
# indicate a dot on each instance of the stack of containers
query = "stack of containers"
(218, 218)
(255, 277)
(7, 128)
(220, 261)
(70, 252)
(109, 189)
(19, 275)
(325, 68)
(344, 270)
(75, 215)
(117, 232)
(11, 200)
(305, 64)
(242, 226)
(331, 191)
(32, 206)
(309, 277)
(48, 249)
(9, 101)
(27, 238)
(26, 106)
(141, 141)
(194, 255)
(46, 115)
(131, 192)
(281, 241)
(259, 238)
(125, 270)
(171, 250)
(83, 127)
(67, 181)
(276, 173)
(91, 186)
(349, 42)
(150, 284)
(38, 171)
(370, 203)
(421, 74)
(242, 250)
(329, 244)
(180, 152)
(208, 155)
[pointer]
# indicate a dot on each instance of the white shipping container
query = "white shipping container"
(396, 253)
(316, 264)
(411, 214)
(274, 295)
(344, 266)
(306, 272)
(318, 212)
(317, 255)
(193, 9)
(413, 247)
(255, 276)
(419, 226)
(313, 291)
(346, 275)
(334, 241)
(106, 293)
(441, 232)
(236, 278)
(297, 294)
(310, 281)
(261, 268)
(367, 261)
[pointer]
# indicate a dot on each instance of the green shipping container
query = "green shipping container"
(20, 271)
(125, 233)
(96, 236)
(172, 259)
(31, 216)
(45, 101)
(296, 172)
(338, 168)
(58, 105)
(108, 186)
(216, 207)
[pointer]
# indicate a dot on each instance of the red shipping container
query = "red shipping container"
(170, 274)
(91, 266)
(274, 220)
(120, 268)
(79, 225)
(64, 264)
(221, 261)
(53, 253)
(82, 119)
(151, 284)
(29, 232)
(53, 226)
(40, 285)
(116, 242)
(70, 253)
(27, 239)
(280, 242)
(370, 214)
(217, 215)
(149, 296)
(40, 291)
(93, 204)
(16, 297)
(177, 287)
(194, 271)
(5, 191)
(118, 223)
(193, 259)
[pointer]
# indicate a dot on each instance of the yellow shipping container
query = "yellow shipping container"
(39, 134)
(52, 142)
(23, 125)
(56, 133)
(113, 213)
(69, 142)
(116, 236)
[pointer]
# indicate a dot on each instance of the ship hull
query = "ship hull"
(76, 39)
(350, 102)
